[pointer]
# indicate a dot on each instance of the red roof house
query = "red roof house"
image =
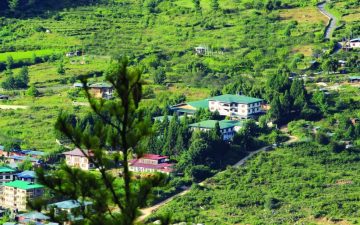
(151, 163)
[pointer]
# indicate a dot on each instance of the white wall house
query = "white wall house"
(228, 128)
(76, 158)
(239, 106)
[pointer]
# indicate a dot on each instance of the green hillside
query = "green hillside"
(304, 184)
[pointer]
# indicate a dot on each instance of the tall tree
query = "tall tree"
(121, 127)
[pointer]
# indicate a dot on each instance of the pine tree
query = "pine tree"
(121, 127)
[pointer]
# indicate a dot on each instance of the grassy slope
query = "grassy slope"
(310, 184)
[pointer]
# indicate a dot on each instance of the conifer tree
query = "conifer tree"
(120, 127)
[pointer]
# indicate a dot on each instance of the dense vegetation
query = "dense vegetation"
(300, 184)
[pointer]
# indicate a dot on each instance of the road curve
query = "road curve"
(331, 27)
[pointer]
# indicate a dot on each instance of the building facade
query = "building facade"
(151, 163)
(101, 90)
(16, 194)
(228, 128)
(76, 158)
(6, 175)
(235, 106)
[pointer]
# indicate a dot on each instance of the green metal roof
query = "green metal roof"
(100, 85)
(23, 185)
(6, 170)
(200, 104)
(236, 98)
(210, 124)
(354, 78)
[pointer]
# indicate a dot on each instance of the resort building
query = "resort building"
(238, 106)
(16, 194)
(76, 158)
(228, 128)
(151, 163)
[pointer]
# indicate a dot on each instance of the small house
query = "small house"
(190, 108)
(354, 43)
(27, 175)
(354, 79)
(71, 208)
(200, 50)
(77, 158)
(32, 218)
(6, 175)
(101, 90)
(4, 97)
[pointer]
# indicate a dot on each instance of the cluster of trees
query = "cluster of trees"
(270, 185)
(288, 97)
(18, 81)
(19, 7)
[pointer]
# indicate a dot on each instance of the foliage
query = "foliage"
(120, 127)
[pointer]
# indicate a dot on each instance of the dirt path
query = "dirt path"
(13, 107)
(330, 29)
(147, 211)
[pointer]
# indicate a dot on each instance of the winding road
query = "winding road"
(332, 26)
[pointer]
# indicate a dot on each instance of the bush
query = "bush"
(200, 172)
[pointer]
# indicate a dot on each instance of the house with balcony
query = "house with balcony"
(236, 106)
(151, 163)
(228, 128)
(16, 194)
(77, 158)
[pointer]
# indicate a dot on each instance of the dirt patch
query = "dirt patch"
(304, 15)
(306, 50)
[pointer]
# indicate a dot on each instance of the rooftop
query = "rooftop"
(21, 158)
(23, 185)
(355, 40)
(6, 170)
(34, 216)
(199, 104)
(165, 167)
(210, 124)
(70, 204)
(27, 174)
(354, 78)
(236, 99)
(100, 85)
(36, 153)
(78, 152)
(154, 156)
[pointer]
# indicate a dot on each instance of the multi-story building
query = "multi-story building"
(235, 106)
(6, 175)
(16, 194)
(76, 158)
(228, 128)
(151, 163)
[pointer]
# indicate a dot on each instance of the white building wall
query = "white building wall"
(234, 109)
